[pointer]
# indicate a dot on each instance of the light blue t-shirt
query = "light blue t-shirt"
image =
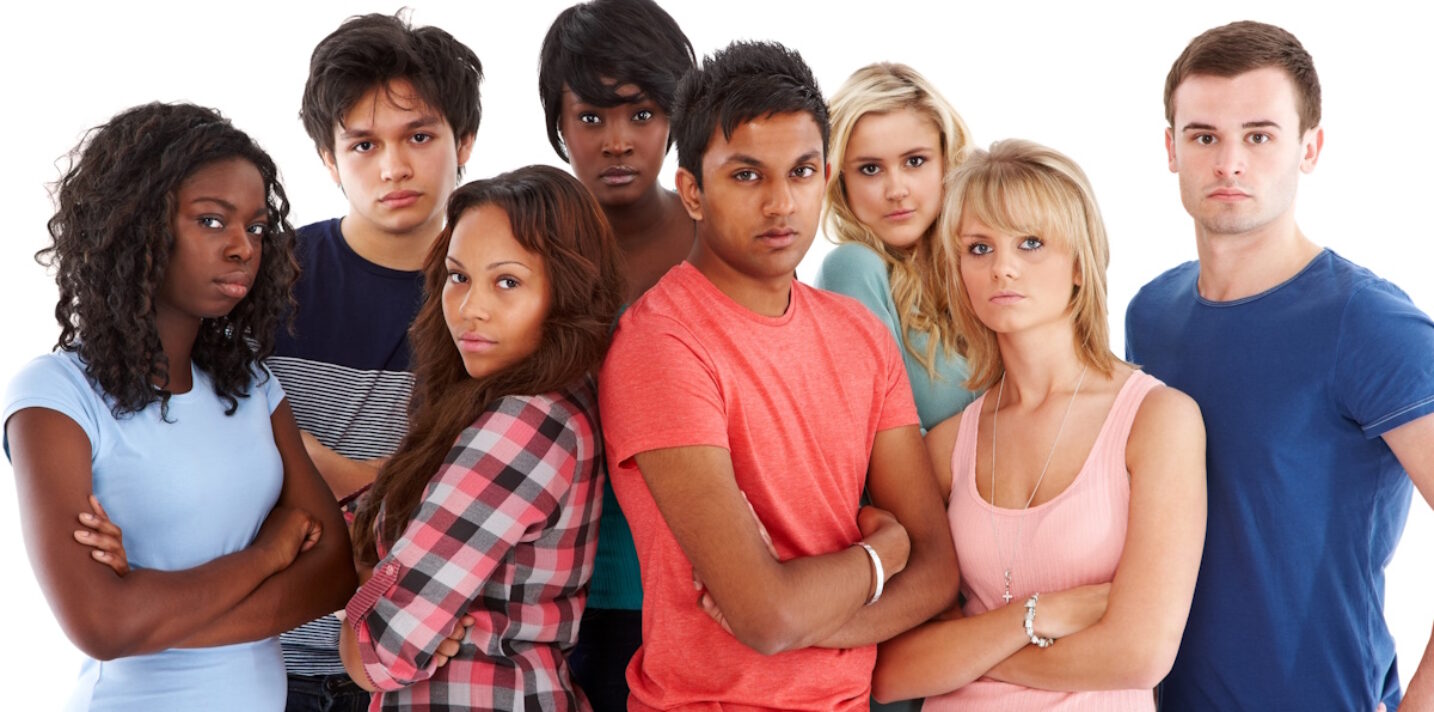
(855, 270)
(184, 492)
(1306, 501)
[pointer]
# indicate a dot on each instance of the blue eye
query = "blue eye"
(1032, 243)
(979, 249)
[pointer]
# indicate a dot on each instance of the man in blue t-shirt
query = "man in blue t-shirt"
(1316, 380)
(393, 111)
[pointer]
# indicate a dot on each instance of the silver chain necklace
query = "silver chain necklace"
(1006, 563)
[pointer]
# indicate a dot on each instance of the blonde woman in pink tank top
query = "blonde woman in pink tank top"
(1075, 485)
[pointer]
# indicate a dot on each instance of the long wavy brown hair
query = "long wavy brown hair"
(553, 215)
(112, 233)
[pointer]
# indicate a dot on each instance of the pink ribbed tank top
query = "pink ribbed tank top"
(1073, 539)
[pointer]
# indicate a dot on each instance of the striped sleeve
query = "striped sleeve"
(502, 482)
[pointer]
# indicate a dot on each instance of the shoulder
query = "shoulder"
(59, 375)
(1165, 414)
(837, 311)
(848, 259)
(559, 417)
(1171, 284)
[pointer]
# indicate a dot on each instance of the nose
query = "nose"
(395, 165)
(896, 190)
(474, 305)
(1005, 265)
(780, 202)
(241, 246)
(1230, 160)
(616, 140)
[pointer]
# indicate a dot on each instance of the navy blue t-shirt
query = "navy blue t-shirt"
(345, 369)
(1306, 501)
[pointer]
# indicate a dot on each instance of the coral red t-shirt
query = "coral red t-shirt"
(797, 400)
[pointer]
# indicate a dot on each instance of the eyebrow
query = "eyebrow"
(746, 160)
(491, 265)
(230, 207)
(877, 159)
(1261, 124)
(418, 123)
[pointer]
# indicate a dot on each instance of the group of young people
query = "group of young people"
(553, 441)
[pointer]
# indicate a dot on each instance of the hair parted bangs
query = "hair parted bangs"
(1023, 188)
(579, 53)
(554, 216)
(918, 276)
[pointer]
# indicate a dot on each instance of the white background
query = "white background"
(1085, 78)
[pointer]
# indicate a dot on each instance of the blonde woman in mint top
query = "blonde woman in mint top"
(893, 139)
(1075, 485)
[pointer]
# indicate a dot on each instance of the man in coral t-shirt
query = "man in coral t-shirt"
(744, 414)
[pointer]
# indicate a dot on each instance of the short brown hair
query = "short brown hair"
(1244, 46)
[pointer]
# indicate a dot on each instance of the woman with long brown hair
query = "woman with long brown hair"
(490, 506)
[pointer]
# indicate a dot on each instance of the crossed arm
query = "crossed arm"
(1126, 642)
(772, 605)
(297, 568)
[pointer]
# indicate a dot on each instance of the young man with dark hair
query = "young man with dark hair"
(393, 111)
(1316, 381)
(744, 414)
(607, 74)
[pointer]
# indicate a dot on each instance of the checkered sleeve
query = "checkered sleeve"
(501, 483)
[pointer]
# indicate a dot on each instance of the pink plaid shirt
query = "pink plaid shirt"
(506, 532)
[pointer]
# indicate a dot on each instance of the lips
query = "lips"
(1006, 297)
(235, 284)
(400, 199)
(898, 215)
(1228, 194)
(470, 342)
(618, 175)
(778, 237)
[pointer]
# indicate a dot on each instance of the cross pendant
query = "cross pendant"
(1007, 595)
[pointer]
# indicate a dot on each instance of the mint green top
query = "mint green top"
(857, 271)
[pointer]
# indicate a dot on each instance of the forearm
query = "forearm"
(319, 581)
(1109, 655)
(927, 586)
(148, 610)
(942, 655)
(802, 601)
(1420, 695)
(343, 476)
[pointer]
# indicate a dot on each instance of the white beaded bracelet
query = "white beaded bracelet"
(876, 570)
(1031, 624)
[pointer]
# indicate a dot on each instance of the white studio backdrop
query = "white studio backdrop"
(1085, 78)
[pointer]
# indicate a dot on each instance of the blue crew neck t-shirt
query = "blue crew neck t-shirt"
(1306, 501)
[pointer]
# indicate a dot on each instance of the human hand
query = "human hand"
(1063, 613)
(704, 599)
(287, 532)
(451, 644)
(881, 531)
(103, 537)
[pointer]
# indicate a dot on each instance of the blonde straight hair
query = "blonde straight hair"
(1024, 188)
(918, 276)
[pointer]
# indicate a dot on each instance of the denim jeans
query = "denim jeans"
(325, 693)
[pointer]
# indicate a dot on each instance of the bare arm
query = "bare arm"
(106, 615)
(1413, 444)
(321, 579)
(900, 481)
(1134, 643)
(953, 650)
(770, 605)
(344, 476)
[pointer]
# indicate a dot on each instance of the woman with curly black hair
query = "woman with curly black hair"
(172, 252)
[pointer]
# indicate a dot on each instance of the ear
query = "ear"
(1313, 144)
(465, 148)
(328, 158)
(690, 193)
(826, 171)
(1170, 149)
